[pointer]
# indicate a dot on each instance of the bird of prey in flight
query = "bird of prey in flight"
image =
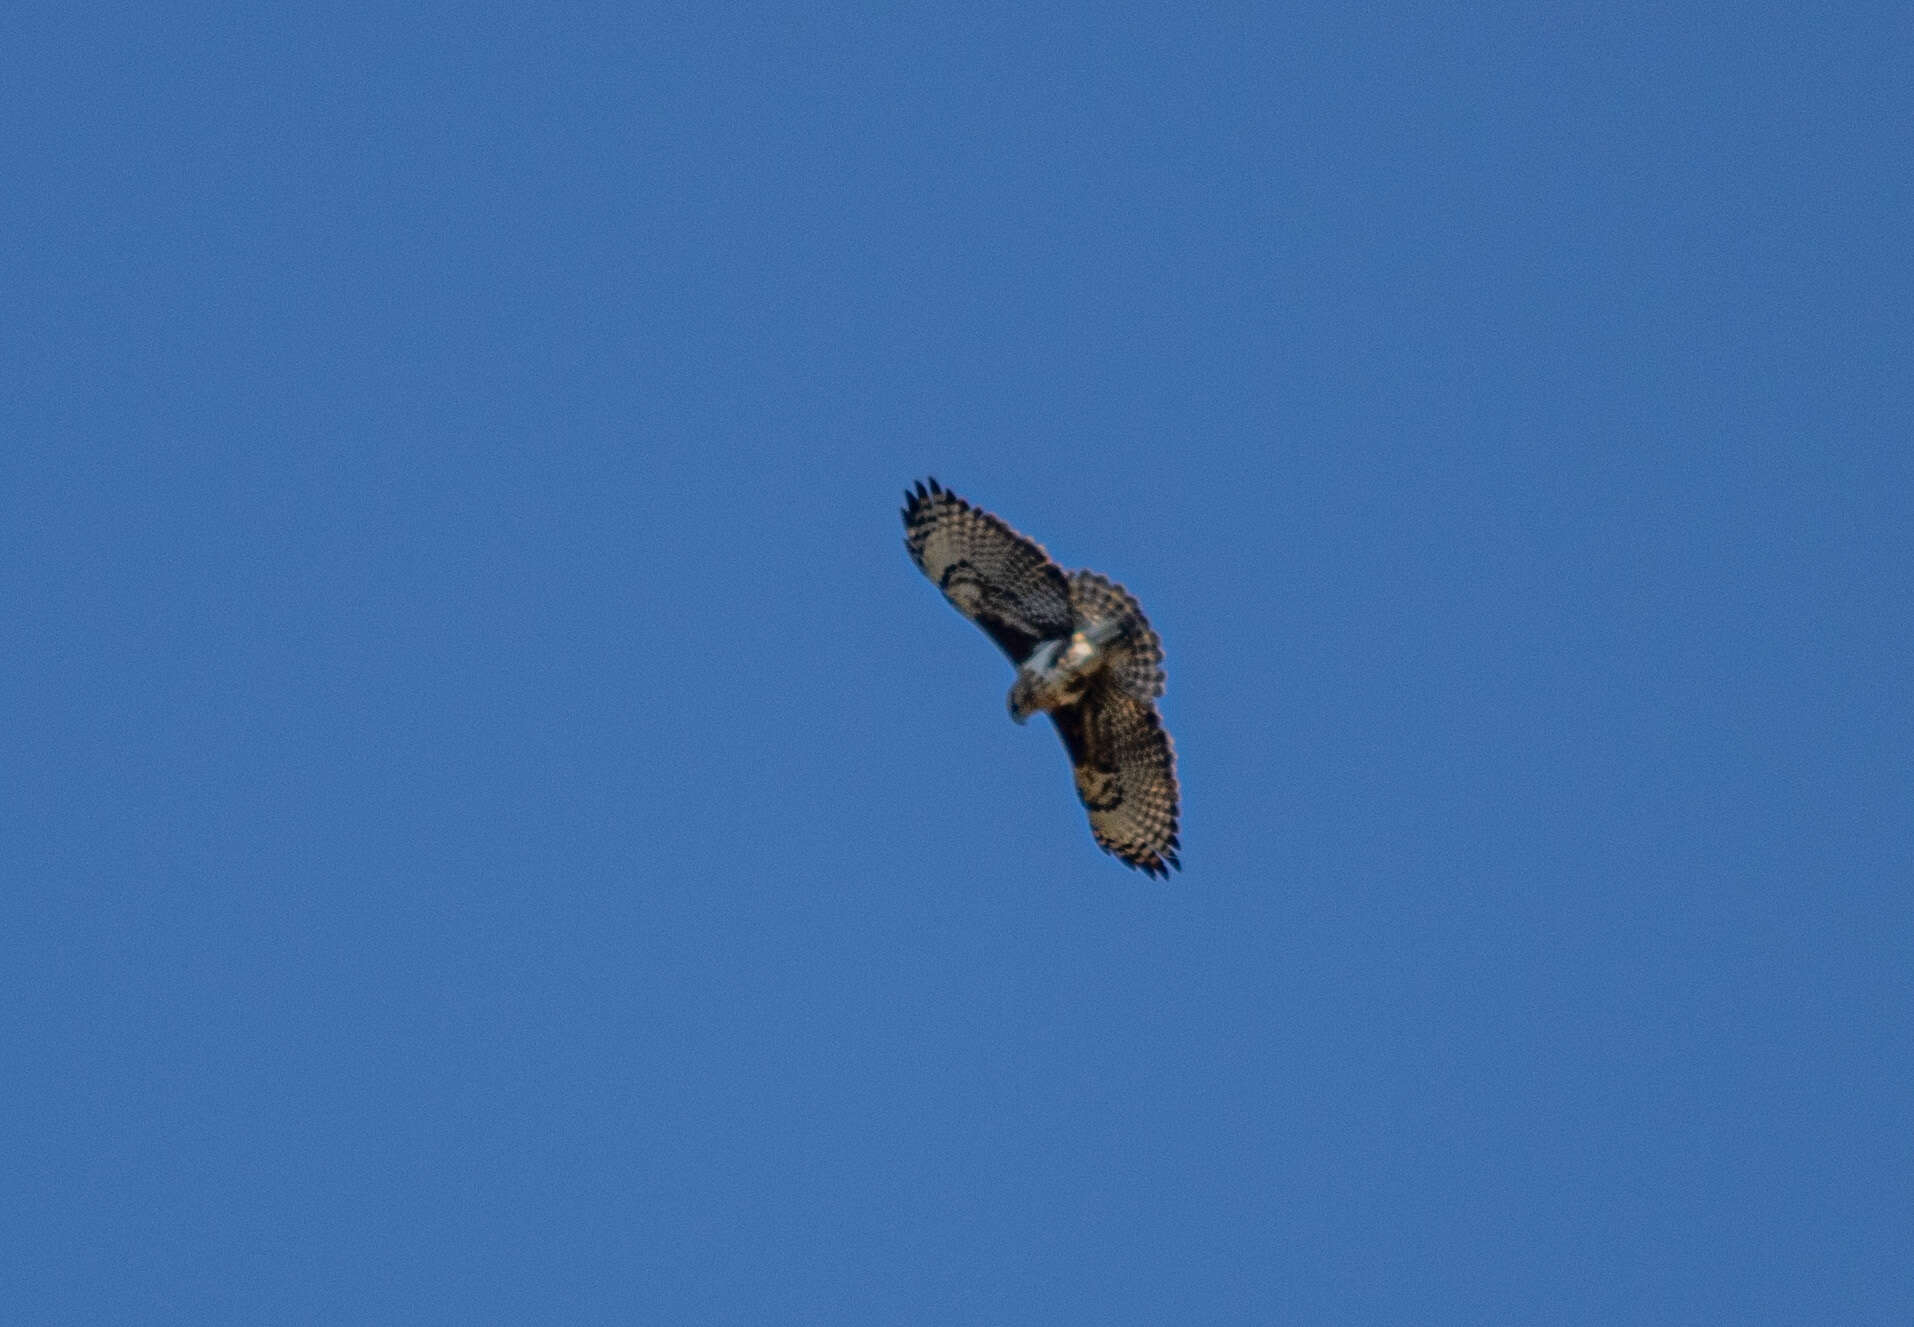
(1085, 654)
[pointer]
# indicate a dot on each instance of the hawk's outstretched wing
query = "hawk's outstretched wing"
(1125, 767)
(994, 576)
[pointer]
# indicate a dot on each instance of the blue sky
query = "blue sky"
(495, 828)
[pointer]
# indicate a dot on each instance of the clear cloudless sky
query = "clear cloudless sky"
(494, 828)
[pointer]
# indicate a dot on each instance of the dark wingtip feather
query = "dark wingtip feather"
(915, 497)
(928, 490)
(1159, 864)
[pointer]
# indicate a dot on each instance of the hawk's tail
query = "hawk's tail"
(1136, 656)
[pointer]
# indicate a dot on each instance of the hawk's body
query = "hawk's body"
(1084, 653)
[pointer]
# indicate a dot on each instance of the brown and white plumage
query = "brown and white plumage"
(1084, 653)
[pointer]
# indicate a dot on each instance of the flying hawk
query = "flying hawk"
(1084, 652)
